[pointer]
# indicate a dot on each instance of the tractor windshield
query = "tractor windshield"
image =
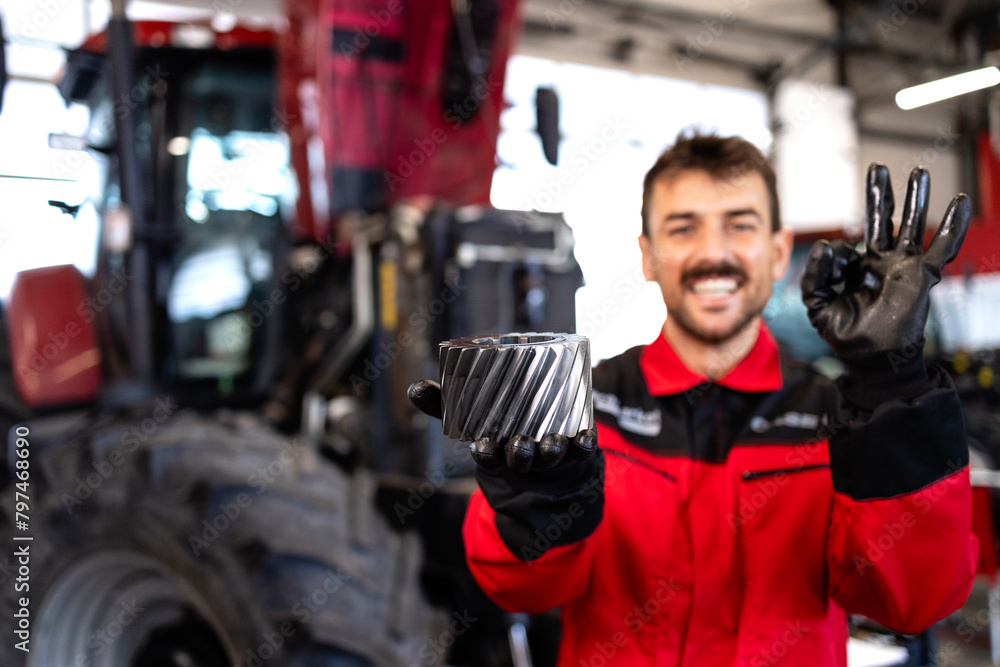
(231, 181)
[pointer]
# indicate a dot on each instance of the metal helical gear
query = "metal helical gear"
(527, 384)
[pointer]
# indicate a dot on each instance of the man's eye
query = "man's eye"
(744, 226)
(680, 231)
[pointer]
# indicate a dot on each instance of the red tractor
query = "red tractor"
(210, 456)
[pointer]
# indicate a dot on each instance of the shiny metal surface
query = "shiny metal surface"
(528, 384)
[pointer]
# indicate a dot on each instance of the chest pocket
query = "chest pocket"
(781, 515)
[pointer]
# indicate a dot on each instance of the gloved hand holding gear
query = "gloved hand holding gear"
(520, 453)
(872, 308)
(523, 400)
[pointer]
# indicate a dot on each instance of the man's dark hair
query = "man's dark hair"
(723, 158)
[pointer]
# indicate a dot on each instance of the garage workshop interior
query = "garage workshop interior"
(500, 333)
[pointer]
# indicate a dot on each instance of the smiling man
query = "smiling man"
(711, 239)
(738, 504)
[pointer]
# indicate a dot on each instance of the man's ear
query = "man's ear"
(782, 253)
(648, 260)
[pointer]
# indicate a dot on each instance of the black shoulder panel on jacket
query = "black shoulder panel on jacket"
(899, 447)
(621, 376)
(707, 420)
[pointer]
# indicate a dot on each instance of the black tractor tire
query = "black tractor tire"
(175, 538)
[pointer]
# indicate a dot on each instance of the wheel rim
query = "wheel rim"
(118, 608)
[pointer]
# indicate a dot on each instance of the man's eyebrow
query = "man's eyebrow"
(742, 211)
(682, 215)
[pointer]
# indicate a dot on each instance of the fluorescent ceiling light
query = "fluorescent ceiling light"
(942, 89)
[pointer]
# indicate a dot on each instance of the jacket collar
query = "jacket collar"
(666, 374)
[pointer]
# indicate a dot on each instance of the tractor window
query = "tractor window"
(231, 183)
(242, 171)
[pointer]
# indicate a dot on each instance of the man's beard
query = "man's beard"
(721, 269)
(712, 337)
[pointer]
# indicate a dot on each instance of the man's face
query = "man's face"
(712, 252)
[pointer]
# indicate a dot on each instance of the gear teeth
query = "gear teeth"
(519, 384)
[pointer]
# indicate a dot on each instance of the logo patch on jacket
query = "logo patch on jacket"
(636, 420)
(792, 419)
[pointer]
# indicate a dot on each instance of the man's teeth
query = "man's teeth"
(714, 286)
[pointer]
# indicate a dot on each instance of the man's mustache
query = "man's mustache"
(721, 270)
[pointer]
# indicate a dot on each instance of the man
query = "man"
(738, 505)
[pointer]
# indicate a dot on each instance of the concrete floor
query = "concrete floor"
(963, 639)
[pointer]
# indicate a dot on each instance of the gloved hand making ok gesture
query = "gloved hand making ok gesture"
(872, 308)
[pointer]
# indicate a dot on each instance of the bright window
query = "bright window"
(33, 233)
(614, 124)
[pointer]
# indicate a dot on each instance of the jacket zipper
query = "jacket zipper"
(757, 474)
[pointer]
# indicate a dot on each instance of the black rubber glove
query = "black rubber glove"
(872, 308)
(519, 454)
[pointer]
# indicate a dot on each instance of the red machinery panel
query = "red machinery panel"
(54, 353)
(298, 47)
(410, 98)
(981, 251)
(983, 527)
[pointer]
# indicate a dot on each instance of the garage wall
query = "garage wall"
(939, 157)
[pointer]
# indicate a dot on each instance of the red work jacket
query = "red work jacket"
(734, 522)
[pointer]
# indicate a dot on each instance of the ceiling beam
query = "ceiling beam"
(697, 17)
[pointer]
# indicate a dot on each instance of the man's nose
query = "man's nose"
(714, 243)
